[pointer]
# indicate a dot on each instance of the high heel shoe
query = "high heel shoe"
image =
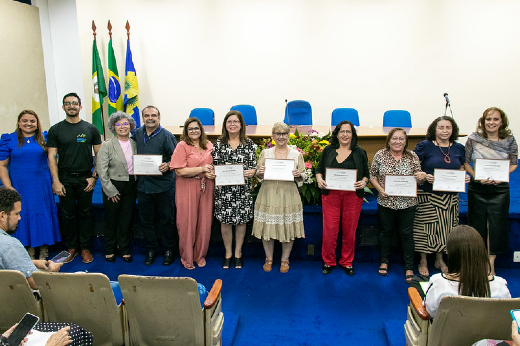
(111, 259)
(128, 259)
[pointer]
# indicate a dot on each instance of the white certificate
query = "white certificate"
(401, 185)
(229, 175)
(340, 179)
(147, 164)
(497, 170)
(279, 169)
(449, 180)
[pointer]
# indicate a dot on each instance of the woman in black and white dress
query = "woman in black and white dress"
(234, 203)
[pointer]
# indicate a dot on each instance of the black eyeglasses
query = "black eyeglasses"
(74, 103)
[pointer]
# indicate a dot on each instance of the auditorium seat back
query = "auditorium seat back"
(168, 309)
(85, 299)
(16, 299)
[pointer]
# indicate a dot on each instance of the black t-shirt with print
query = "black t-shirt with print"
(74, 143)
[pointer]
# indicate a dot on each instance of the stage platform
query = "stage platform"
(309, 248)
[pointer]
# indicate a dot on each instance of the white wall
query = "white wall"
(61, 49)
(22, 78)
(370, 55)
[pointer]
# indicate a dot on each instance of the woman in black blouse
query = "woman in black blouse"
(342, 153)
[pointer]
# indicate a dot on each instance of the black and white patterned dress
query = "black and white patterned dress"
(234, 203)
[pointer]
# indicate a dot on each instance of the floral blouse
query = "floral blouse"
(384, 163)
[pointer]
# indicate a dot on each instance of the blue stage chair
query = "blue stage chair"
(205, 115)
(396, 118)
(248, 112)
(340, 114)
(298, 112)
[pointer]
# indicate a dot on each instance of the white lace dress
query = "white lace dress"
(278, 207)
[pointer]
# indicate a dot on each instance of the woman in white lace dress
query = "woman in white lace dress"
(278, 207)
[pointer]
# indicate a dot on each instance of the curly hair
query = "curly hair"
(334, 141)
(503, 131)
(203, 140)
(114, 118)
(432, 129)
(8, 198)
(38, 133)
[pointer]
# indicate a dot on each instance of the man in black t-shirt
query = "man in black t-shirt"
(72, 179)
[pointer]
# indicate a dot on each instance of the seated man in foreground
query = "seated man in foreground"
(13, 255)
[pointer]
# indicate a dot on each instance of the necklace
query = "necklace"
(447, 158)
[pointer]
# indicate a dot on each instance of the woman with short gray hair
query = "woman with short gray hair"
(278, 207)
(115, 169)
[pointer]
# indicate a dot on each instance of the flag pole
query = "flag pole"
(102, 115)
(127, 26)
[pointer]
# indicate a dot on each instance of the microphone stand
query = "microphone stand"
(448, 104)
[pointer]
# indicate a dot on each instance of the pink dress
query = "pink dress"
(194, 201)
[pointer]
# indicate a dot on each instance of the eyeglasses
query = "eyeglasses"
(193, 129)
(344, 132)
(233, 122)
(281, 134)
(74, 103)
(122, 124)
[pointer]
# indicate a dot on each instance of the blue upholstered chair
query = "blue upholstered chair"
(248, 112)
(340, 114)
(298, 112)
(205, 115)
(397, 118)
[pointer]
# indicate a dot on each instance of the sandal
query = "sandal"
(226, 263)
(268, 265)
(239, 262)
(408, 278)
(383, 271)
(423, 269)
(443, 267)
(284, 267)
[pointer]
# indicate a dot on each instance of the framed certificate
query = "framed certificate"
(401, 185)
(279, 169)
(497, 170)
(340, 179)
(229, 175)
(147, 164)
(449, 180)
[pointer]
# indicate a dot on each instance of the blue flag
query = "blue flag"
(131, 100)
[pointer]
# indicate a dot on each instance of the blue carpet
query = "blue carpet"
(302, 307)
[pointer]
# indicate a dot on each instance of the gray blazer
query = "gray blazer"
(111, 164)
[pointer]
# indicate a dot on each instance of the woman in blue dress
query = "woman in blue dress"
(24, 167)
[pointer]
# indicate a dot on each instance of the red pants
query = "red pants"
(344, 206)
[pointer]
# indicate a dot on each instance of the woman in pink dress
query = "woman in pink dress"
(193, 165)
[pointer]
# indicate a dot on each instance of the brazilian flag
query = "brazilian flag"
(115, 99)
(99, 89)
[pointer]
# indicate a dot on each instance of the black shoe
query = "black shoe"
(150, 258)
(239, 262)
(326, 269)
(349, 270)
(226, 263)
(168, 258)
(128, 259)
(111, 259)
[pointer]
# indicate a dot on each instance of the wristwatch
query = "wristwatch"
(95, 175)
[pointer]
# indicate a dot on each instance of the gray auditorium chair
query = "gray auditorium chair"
(16, 299)
(167, 311)
(459, 320)
(85, 299)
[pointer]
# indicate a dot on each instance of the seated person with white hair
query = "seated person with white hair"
(13, 255)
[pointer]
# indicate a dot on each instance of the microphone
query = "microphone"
(447, 99)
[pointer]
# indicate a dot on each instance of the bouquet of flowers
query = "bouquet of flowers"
(310, 146)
